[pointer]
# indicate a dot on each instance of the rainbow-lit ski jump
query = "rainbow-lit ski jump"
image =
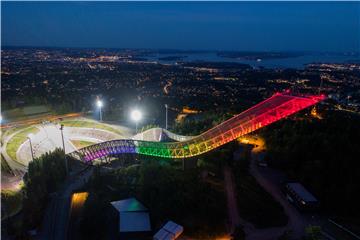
(264, 113)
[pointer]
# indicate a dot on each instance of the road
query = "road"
(12, 179)
(271, 180)
(268, 179)
(235, 220)
(233, 212)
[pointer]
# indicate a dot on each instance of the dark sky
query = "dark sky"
(313, 26)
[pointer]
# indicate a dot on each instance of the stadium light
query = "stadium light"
(100, 104)
(136, 116)
(166, 116)
(63, 143)
(30, 136)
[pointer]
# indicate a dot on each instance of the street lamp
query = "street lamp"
(99, 104)
(63, 143)
(166, 116)
(136, 117)
(31, 147)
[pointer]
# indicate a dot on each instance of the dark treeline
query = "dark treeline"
(45, 175)
(167, 191)
(323, 155)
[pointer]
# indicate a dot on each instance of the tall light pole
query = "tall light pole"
(166, 116)
(63, 143)
(31, 147)
(100, 104)
(136, 117)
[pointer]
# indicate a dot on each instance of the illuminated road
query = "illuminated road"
(266, 112)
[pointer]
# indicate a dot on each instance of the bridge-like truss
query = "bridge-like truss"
(264, 113)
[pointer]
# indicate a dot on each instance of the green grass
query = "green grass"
(12, 130)
(90, 124)
(18, 139)
(12, 201)
(80, 143)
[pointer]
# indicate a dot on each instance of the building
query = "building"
(169, 231)
(134, 219)
(300, 197)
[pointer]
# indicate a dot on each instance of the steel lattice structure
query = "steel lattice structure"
(264, 113)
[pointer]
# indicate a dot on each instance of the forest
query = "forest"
(323, 154)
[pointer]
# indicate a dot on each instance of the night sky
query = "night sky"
(281, 26)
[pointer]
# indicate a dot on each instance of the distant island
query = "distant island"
(172, 58)
(217, 65)
(257, 55)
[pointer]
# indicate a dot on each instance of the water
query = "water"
(298, 62)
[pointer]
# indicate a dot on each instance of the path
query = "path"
(269, 182)
(233, 212)
(56, 218)
(267, 179)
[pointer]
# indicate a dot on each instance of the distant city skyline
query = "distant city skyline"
(231, 26)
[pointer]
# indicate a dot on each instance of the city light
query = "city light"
(136, 115)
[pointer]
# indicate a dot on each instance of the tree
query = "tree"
(313, 233)
(287, 235)
(322, 155)
(45, 175)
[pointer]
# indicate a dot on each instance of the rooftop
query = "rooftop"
(134, 222)
(129, 205)
(302, 192)
(133, 216)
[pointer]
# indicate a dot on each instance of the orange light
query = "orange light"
(78, 200)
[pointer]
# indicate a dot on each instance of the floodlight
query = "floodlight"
(136, 115)
(99, 103)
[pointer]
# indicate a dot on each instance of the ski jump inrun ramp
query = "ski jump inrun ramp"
(277, 107)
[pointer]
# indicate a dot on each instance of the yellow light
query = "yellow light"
(78, 200)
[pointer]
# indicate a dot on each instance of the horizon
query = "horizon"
(355, 52)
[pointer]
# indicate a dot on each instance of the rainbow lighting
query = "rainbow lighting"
(277, 107)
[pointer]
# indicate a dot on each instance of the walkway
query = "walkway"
(56, 218)
(233, 212)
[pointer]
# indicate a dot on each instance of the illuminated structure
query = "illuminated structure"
(264, 113)
(100, 104)
(136, 117)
